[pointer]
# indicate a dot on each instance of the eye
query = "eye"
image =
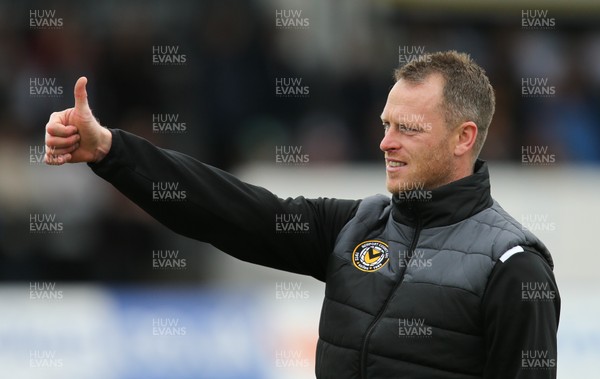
(409, 130)
(386, 127)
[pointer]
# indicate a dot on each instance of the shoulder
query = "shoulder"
(523, 262)
(522, 276)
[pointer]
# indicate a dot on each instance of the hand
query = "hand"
(74, 135)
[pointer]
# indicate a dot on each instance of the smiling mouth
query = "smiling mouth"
(395, 164)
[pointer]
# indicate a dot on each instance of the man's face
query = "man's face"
(416, 144)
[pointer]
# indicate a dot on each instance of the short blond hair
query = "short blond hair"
(468, 94)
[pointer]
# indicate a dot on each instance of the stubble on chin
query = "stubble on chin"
(435, 171)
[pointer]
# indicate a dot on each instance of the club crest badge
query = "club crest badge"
(369, 256)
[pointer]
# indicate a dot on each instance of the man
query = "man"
(438, 282)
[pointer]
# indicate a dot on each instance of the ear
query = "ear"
(465, 138)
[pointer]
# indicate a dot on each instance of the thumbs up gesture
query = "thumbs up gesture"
(74, 135)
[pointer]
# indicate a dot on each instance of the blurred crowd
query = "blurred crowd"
(224, 91)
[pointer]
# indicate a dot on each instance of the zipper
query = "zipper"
(363, 351)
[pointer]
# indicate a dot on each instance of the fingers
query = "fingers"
(60, 139)
(56, 160)
(65, 150)
(81, 101)
(57, 129)
(53, 142)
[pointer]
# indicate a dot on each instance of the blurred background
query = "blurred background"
(104, 291)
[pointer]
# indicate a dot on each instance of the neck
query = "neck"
(445, 204)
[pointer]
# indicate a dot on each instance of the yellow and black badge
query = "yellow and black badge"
(370, 255)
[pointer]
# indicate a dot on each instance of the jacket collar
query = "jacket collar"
(445, 205)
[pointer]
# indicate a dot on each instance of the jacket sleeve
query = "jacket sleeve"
(202, 202)
(521, 310)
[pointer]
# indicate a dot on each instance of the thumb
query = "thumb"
(81, 101)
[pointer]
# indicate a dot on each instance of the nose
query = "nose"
(390, 141)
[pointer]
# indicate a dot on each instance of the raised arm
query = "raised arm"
(200, 201)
